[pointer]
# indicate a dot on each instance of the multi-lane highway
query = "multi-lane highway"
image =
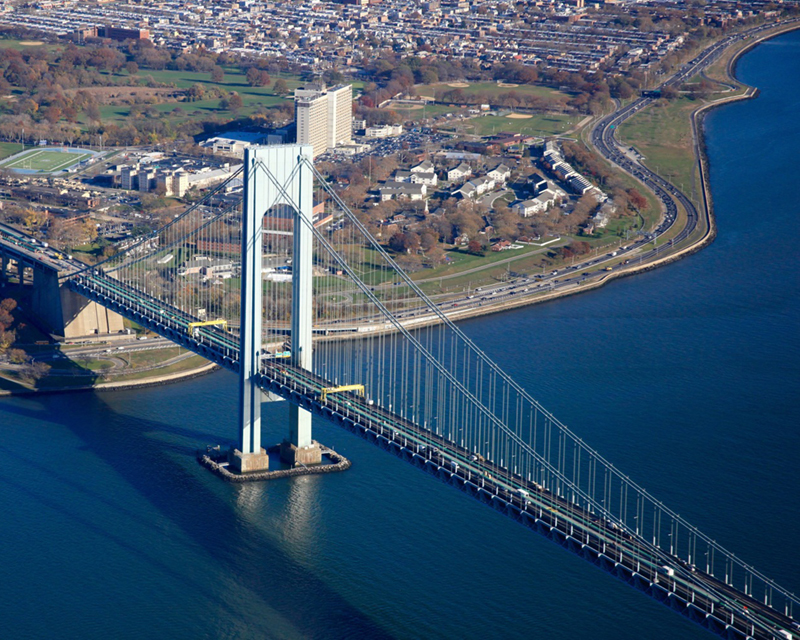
(602, 138)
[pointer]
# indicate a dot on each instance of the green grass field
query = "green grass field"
(539, 125)
(234, 80)
(493, 89)
(26, 44)
(412, 112)
(45, 160)
(663, 133)
(9, 149)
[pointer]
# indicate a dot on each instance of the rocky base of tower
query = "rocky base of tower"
(219, 463)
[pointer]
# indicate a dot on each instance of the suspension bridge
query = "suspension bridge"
(287, 288)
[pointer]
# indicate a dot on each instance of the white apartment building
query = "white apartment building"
(324, 117)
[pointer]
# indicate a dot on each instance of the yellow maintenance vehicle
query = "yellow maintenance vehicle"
(194, 327)
(326, 391)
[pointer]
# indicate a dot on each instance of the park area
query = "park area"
(45, 160)
(489, 91)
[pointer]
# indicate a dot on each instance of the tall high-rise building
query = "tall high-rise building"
(324, 117)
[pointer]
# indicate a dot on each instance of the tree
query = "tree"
(475, 247)
(196, 92)
(235, 102)
(217, 74)
(132, 68)
(52, 114)
(8, 305)
(34, 219)
(93, 112)
(252, 75)
(34, 371)
(637, 199)
(669, 93)
(280, 88)
(18, 356)
(397, 242)
(428, 240)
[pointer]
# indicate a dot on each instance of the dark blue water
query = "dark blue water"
(686, 378)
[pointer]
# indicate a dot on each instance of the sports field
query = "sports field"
(44, 160)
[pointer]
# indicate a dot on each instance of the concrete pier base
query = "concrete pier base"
(295, 456)
(248, 462)
(218, 463)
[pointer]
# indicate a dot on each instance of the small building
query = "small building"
(537, 183)
(539, 204)
(579, 184)
(393, 190)
(466, 191)
(384, 131)
(233, 143)
(563, 170)
(423, 167)
(427, 178)
(459, 173)
(500, 173)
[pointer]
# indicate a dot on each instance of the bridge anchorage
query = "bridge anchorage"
(253, 284)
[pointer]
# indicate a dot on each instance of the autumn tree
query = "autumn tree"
(428, 239)
(235, 103)
(637, 200)
(476, 248)
(18, 356)
(405, 242)
(195, 92)
(33, 371)
(257, 77)
(280, 87)
(7, 336)
(34, 219)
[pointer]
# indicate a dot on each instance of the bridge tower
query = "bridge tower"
(274, 175)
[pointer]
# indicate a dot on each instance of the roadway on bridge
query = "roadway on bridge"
(593, 535)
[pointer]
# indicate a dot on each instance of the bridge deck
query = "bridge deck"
(669, 579)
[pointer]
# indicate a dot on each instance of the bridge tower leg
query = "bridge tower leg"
(250, 456)
(300, 448)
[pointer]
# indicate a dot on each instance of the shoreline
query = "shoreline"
(697, 118)
(701, 157)
(152, 381)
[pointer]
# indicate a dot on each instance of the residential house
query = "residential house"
(539, 204)
(499, 174)
(427, 178)
(537, 183)
(423, 167)
(563, 170)
(579, 184)
(475, 187)
(459, 173)
(393, 190)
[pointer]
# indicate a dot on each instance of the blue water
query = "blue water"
(686, 378)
